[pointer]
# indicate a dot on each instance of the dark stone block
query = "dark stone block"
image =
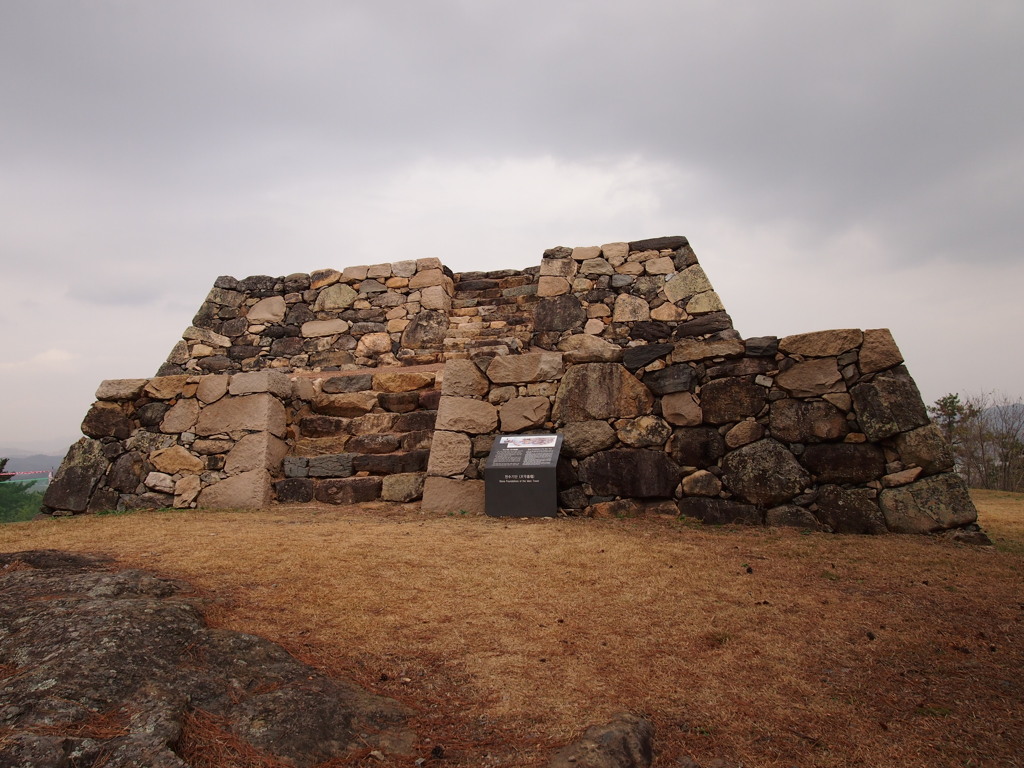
(683, 258)
(840, 463)
(170, 369)
(151, 414)
(257, 284)
(399, 402)
(282, 331)
(339, 384)
(286, 347)
(637, 357)
(226, 282)
(217, 364)
(720, 511)
(243, 352)
(294, 490)
(476, 285)
(298, 314)
(296, 466)
(351, 490)
(853, 511)
(727, 400)
(235, 327)
(747, 366)
(762, 346)
(127, 472)
(106, 420)
(206, 317)
(359, 329)
(675, 378)
(77, 476)
(430, 399)
(764, 473)
(415, 421)
(373, 443)
(426, 330)
(889, 404)
(630, 472)
(806, 421)
(572, 498)
(559, 313)
(699, 447)
(331, 465)
(296, 283)
(651, 330)
(669, 243)
(391, 463)
(713, 322)
(323, 426)
(418, 440)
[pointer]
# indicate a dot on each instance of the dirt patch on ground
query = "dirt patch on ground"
(506, 638)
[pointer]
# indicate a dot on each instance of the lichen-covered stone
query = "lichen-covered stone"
(805, 421)
(764, 473)
(813, 377)
(888, 404)
(933, 504)
(600, 391)
(821, 343)
(849, 511)
(727, 400)
(583, 438)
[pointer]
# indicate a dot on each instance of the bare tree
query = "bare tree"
(986, 432)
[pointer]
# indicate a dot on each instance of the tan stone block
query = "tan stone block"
(320, 328)
(445, 495)
(205, 336)
(596, 267)
(521, 369)
(323, 277)
(403, 487)
(814, 377)
(165, 387)
(406, 268)
(378, 271)
(582, 285)
(630, 268)
(397, 283)
(879, 351)
(524, 413)
(630, 308)
(436, 297)
(186, 491)
(259, 450)
(662, 265)
(249, 490)
(586, 252)
(464, 414)
(373, 344)
(594, 326)
(821, 343)
(349, 404)
(687, 283)
(176, 460)
(599, 310)
(462, 378)
(259, 413)
(402, 381)
(681, 409)
(429, 262)
(354, 274)
(269, 310)
(558, 268)
(120, 389)
(252, 382)
(615, 253)
(449, 454)
(552, 286)
(688, 350)
(398, 325)
(668, 313)
(202, 350)
(600, 391)
(742, 433)
(701, 483)
(160, 482)
(335, 298)
(585, 348)
(425, 278)
(181, 417)
(704, 302)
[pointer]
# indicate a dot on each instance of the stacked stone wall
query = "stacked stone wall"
(391, 382)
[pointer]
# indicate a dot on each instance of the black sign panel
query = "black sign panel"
(520, 476)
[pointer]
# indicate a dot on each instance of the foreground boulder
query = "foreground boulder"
(114, 668)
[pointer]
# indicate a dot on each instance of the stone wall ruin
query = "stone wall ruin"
(390, 382)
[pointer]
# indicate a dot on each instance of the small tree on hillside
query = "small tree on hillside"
(3, 463)
(986, 433)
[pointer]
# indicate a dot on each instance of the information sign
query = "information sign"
(519, 477)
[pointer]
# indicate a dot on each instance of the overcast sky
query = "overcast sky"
(834, 164)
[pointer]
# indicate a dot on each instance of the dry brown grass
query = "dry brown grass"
(765, 647)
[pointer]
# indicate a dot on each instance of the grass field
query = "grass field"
(761, 647)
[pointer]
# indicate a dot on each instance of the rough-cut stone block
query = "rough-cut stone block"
(334, 298)
(426, 278)
(330, 465)
(926, 448)
(294, 490)
(663, 265)
(600, 391)
(322, 426)
(849, 511)
(259, 450)
(349, 404)
(464, 414)
(374, 344)
(583, 348)
(631, 472)
(879, 351)
(205, 336)
(258, 413)
(462, 378)
(674, 378)
(637, 357)
(324, 277)
(81, 470)
(630, 309)
(401, 381)
(844, 463)
(529, 367)
(813, 377)
(727, 400)
(586, 252)
(696, 447)
(524, 413)
(249, 490)
(186, 491)
(583, 438)
(318, 328)
(743, 433)
(805, 421)
(269, 310)
(120, 389)
(559, 313)
(792, 516)
(449, 454)
(350, 490)
(550, 285)
(212, 388)
(165, 387)
(682, 409)
(337, 385)
(426, 330)
(565, 268)
(391, 463)
(445, 495)
(701, 483)
(933, 504)
(889, 404)
(106, 419)
(764, 473)
(176, 459)
(274, 382)
(689, 350)
(687, 283)
(436, 297)
(822, 343)
(643, 432)
(404, 487)
(719, 511)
